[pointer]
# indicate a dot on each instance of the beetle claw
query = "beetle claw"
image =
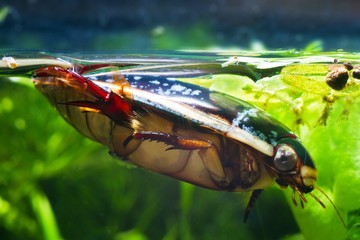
(171, 148)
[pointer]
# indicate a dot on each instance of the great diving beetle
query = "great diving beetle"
(188, 132)
(185, 131)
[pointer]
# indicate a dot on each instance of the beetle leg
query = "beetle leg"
(176, 142)
(293, 198)
(109, 103)
(254, 195)
(207, 150)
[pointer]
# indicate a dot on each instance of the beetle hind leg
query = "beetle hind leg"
(113, 103)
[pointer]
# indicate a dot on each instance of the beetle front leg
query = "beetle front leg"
(254, 195)
(207, 150)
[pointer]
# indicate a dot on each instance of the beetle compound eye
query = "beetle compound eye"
(285, 158)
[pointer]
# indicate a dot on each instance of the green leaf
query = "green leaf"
(314, 46)
(45, 216)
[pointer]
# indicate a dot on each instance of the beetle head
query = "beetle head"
(294, 166)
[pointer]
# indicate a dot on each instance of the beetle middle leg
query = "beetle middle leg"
(208, 152)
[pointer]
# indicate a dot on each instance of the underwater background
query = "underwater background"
(154, 24)
(55, 184)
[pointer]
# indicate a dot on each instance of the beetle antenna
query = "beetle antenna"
(317, 199)
(332, 203)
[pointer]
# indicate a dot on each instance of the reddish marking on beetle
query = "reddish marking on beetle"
(290, 135)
